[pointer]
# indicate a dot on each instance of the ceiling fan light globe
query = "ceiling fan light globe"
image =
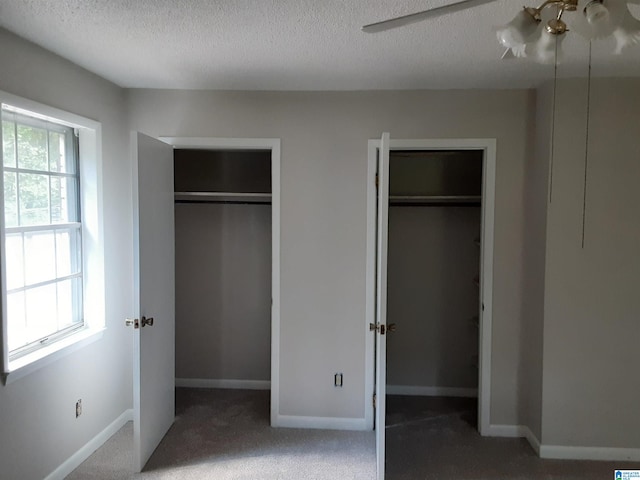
(517, 31)
(545, 49)
(520, 51)
(596, 13)
(624, 39)
(626, 31)
(507, 39)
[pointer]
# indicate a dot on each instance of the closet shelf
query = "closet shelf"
(435, 199)
(222, 197)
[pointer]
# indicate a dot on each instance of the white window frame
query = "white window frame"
(90, 164)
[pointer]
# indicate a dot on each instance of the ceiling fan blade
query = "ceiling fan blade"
(418, 17)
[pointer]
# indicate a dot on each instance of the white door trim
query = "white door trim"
(488, 145)
(273, 144)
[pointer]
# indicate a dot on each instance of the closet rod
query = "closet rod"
(435, 200)
(221, 202)
(223, 197)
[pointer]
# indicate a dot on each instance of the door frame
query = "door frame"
(272, 144)
(488, 146)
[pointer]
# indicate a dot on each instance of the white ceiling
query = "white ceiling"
(288, 44)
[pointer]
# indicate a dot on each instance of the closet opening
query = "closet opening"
(224, 250)
(433, 297)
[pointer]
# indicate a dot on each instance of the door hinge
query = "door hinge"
(377, 180)
(375, 403)
(132, 322)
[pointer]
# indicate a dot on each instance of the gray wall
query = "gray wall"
(432, 297)
(534, 251)
(223, 291)
(37, 415)
(323, 217)
(591, 388)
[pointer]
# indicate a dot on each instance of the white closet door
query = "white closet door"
(381, 301)
(154, 264)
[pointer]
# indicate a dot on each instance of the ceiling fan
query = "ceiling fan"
(537, 32)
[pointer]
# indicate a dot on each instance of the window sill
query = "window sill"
(23, 366)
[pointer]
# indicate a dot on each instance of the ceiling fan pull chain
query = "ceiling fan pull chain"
(586, 150)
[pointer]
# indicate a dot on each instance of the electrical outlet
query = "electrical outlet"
(78, 408)
(337, 380)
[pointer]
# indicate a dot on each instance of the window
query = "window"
(43, 231)
(52, 288)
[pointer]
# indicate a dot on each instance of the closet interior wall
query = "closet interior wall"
(433, 272)
(223, 265)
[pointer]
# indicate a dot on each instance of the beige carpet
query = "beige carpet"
(225, 434)
(434, 438)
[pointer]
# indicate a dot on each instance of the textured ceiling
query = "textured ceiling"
(289, 44)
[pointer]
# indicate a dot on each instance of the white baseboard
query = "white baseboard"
(590, 453)
(223, 383)
(532, 439)
(561, 452)
(91, 446)
(325, 423)
(431, 391)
